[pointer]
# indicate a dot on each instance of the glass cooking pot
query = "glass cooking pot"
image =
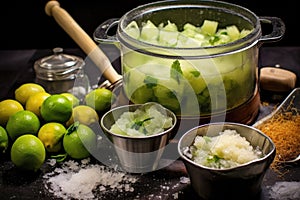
(211, 79)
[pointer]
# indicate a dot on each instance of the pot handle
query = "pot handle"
(278, 29)
(101, 34)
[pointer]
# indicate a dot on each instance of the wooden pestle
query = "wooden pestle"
(83, 40)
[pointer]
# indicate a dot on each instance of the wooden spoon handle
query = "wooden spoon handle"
(83, 40)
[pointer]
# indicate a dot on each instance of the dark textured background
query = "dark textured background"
(25, 25)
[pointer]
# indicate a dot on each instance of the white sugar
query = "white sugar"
(80, 180)
(285, 190)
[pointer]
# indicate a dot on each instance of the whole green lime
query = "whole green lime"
(28, 152)
(75, 101)
(24, 91)
(22, 122)
(4, 141)
(83, 114)
(51, 134)
(8, 107)
(100, 99)
(79, 141)
(56, 108)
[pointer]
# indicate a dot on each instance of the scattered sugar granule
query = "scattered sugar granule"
(285, 190)
(184, 180)
(75, 180)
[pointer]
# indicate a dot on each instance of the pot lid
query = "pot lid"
(58, 66)
(59, 60)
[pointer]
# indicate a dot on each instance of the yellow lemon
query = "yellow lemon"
(23, 92)
(35, 101)
(72, 98)
(28, 153)
(51, 134)
(4, 141)
(56, 108)
(84, 115)
(79, 141)
(8, 107)
(100, 99)
(21, 123)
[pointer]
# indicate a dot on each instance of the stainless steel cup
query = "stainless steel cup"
(241, 182)
(137, 154)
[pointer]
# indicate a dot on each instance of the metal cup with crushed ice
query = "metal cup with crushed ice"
(139, 133)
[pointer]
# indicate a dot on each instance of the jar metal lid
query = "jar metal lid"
(58, 66)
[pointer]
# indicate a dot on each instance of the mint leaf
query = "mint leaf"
(140, 123)
(176, 71)
(150, 81)
(195, 73)
(59, 157)
(214, 39)
(213, 159)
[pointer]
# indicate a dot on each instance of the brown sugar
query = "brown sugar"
(284, 130)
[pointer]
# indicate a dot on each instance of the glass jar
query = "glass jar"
(57, 72)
